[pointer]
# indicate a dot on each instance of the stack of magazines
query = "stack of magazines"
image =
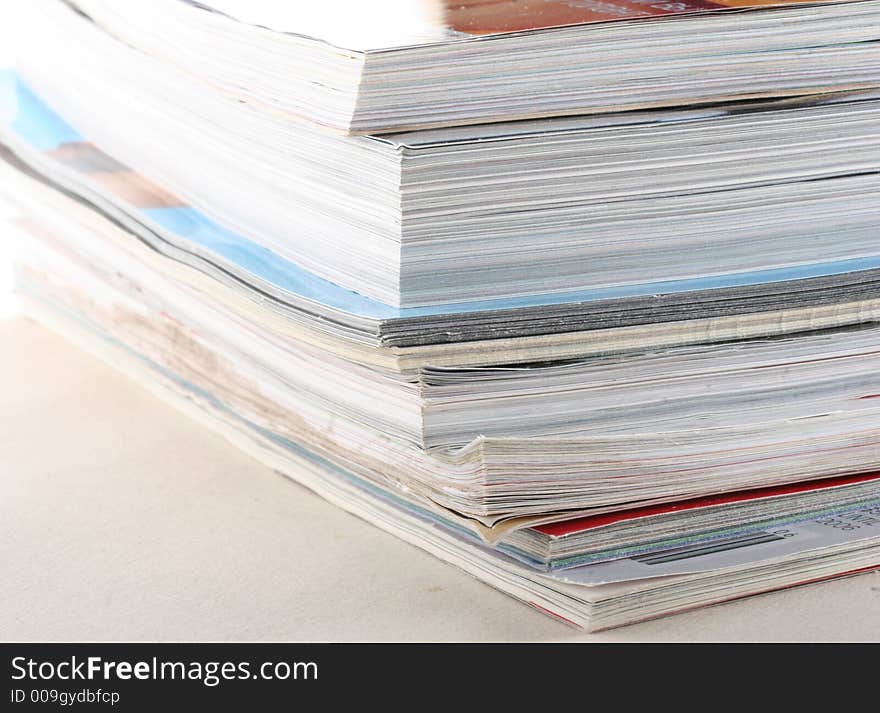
(582, 297)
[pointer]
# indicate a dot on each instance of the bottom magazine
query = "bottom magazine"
(834, 543)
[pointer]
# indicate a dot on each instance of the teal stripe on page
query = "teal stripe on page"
(197, 228)
(30, 118)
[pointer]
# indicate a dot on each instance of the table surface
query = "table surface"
(121, 519)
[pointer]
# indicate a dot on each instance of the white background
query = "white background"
(7, 302)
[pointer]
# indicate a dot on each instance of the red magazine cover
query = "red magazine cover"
(581, 524)
(481, 17)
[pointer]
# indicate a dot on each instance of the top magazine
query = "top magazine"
(392, 65)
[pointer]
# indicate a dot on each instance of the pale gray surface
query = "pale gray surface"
(120, 519)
